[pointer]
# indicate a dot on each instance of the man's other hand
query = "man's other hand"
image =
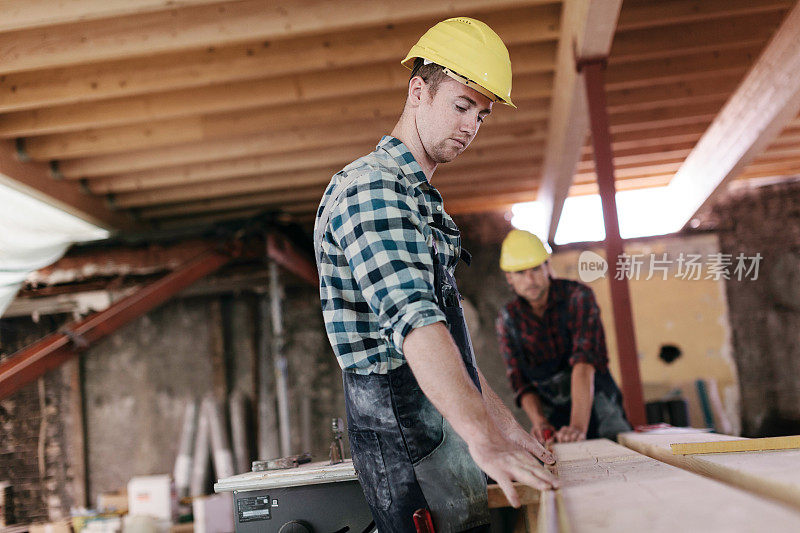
(544, 433)
(570, 434)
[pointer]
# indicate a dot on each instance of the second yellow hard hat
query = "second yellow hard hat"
(522, 250)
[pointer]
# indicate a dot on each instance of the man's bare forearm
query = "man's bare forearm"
(582, 395)
(497, 409)
(533, 408)
(436, 362)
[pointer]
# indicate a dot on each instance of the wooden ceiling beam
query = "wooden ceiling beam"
(258, 59)
(671, 94)
(27, 14)
(367, 131)
(328, 85)
(734, 32)
(34, 179)
(279, 163)
(522, 164)
(767, 100)
(341, 154)
(337, 86)
(193, 129)
(270, 96)
(587, 29)
(639, 15)
(701, 65)
(97, 142)
(223, 24)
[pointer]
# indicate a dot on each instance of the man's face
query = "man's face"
(531, 284)
(449, 120)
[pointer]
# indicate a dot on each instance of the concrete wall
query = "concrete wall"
(765, 313)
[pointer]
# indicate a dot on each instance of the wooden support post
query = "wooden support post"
(620, 294)
(281, 364)
(268, 444)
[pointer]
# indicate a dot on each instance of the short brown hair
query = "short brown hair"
(432, 74)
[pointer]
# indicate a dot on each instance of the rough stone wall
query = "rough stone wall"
(139, 380)
(765, 313)
(35, 428)
(313, 371)
(137, 384)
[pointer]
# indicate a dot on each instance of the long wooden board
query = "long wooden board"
(739, 445)
(773, 474)
(608, 487)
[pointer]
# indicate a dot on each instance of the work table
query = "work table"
(638, 486)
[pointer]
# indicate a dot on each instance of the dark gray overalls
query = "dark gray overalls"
(406, 455)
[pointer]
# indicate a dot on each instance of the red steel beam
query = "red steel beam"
(594, 71)
(283, 252)
(33, 361)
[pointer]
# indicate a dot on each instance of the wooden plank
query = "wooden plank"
(527, 495)
(641, 15)
(191, 129)
(774, 474)
(703, 64)
(216, 25)
(733, 32)
(340, 154)
(607, 487)
(291, 162)
(767, 100)
(587, 29)
(519, 166)
(532, 89)
(26, 14)
(744, 445)
(342, 86)
(366, 131)
(379, 86)
(215, 65)
(34, 179)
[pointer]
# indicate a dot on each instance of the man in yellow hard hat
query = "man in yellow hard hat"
(554, 347)
(422, 421)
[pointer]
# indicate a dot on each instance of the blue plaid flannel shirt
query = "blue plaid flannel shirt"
(376, 266)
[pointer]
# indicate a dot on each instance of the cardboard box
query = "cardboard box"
(153, 496)
(113, 502)
(213, 514)
(51, 527)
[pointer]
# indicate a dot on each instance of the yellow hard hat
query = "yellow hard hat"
(522, 250)
(471, 53)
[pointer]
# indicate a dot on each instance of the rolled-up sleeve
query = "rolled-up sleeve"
(588, 337)
(378, 227)
(505, 339)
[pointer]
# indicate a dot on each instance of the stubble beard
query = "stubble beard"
(441, 152)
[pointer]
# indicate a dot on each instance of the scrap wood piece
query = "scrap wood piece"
(527, 495)
(607, 487)
(774, 474)
(743, 445)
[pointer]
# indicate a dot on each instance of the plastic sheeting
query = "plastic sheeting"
(33, 235)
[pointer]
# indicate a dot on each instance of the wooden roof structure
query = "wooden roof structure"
(166, 113)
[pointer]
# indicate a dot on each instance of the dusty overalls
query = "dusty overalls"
(552, 383)
(406, 455)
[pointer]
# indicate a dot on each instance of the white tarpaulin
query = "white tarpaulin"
(33, 235)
